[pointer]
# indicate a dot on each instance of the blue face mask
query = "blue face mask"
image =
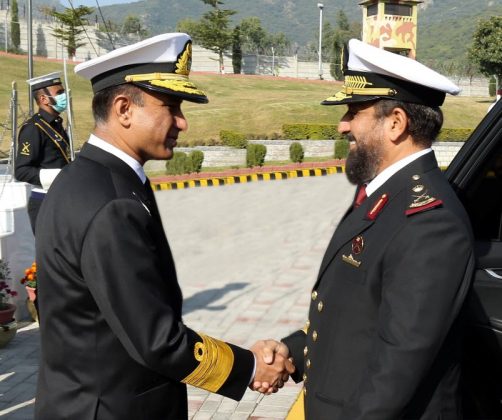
(61, 102)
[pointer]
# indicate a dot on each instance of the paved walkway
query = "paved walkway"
(246, 256)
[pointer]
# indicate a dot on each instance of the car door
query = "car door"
(476, 175)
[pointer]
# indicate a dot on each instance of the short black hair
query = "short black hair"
(424, 122)
(103, 99)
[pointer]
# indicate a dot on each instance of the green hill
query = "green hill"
(445, 26)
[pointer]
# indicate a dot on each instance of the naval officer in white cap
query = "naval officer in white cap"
(113, 342)
(43, 144)
(382, 337)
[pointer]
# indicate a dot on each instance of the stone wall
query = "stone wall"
(446, 151)
(219, 156)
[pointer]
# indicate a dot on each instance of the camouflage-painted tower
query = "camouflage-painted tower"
(391, 25)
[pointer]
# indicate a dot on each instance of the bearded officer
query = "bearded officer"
(43, 145)
(382, 338)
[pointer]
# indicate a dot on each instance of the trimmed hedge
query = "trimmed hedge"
(329, 132)
(255, 155)
(233, 139)
(179, 164)
(311, 132)
(341, 149)
(296, 153)
(454, 134)
(197, 157)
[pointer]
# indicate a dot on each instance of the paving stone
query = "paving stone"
(247, 257)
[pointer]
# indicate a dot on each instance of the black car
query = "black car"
(476, 175)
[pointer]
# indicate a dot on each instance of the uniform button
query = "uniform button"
(314, 295)
(305, 391)
(307, 363)
(304, 377)
(314, 335)
(415, 177)
(320, 306)
(307, 325)
(305, 351)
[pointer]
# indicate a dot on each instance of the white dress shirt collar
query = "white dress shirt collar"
(107, 147)
(383, 176)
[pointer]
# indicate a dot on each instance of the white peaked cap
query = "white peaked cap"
(161, 63)
(374, 73)
(46, 80)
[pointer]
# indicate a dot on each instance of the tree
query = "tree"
(254, 37)
(236, 50)
(340, 35)
(41, 49)
(213, 30)
(132, 25)
(71, 29)
(15, 32)
(188, 26)
(486, 48)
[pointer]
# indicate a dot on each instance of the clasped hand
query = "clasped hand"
(273, 366)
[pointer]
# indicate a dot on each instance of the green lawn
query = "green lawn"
(249, 104)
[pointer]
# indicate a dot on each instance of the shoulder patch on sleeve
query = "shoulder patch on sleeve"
(420, 199)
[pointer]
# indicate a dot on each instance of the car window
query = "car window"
(483, 199)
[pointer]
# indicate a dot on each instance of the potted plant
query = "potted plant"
(7, 309)
(8, 326)
(30, 283)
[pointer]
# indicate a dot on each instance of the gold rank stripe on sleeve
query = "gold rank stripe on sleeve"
(216, 360)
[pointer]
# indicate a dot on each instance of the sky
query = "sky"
(92, 3)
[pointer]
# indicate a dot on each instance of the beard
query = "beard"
(363, 162)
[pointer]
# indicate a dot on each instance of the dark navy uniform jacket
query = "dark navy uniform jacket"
(113, 342)
(382, 339)
(42, 144)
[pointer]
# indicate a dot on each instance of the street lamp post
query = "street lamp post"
(320, 6)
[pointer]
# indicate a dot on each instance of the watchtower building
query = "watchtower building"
(391, 25)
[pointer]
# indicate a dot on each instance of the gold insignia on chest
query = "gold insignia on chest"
(357, 245)
(350, 260)
(25, 149)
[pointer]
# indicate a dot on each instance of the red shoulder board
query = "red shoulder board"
(423, 206)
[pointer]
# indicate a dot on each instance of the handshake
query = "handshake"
(273, 366)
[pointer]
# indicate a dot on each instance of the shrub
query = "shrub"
(197, 157)
(296, 153)
(255, 155)
(341, 149)
(179, 164)
(492, 86)
(454, 134)
(311, 131)
(233, 139)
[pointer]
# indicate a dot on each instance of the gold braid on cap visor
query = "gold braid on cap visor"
(216, 360)
(356, 85)
(175, 82)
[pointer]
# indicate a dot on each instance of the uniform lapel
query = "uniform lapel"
(117, 166)
(356, 221)
(353, 224)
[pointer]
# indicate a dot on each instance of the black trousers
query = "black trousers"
(34, 204)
